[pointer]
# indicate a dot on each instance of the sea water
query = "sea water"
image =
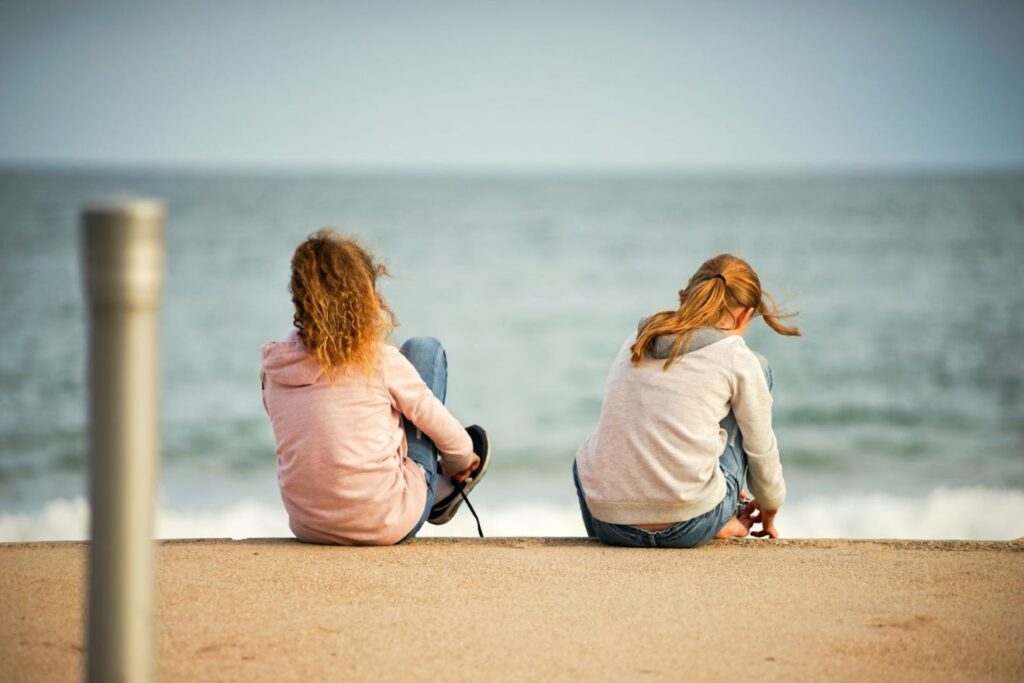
(899, 412)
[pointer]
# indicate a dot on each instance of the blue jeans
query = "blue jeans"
(689, 533)
(428, 357)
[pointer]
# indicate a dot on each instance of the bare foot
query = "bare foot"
(734, 528)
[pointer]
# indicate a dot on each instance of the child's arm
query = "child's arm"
(752, 405)
(418, 404)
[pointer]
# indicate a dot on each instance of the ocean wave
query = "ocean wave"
(973, 513)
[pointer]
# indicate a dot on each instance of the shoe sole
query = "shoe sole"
(485, 461)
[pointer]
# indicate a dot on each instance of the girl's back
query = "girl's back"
(344, 407)
(655, 452)
(686, 417)
(341, 465)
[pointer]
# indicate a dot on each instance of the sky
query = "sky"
(482, 84)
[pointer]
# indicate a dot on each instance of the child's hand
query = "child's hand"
(464, 474)
(767, 524)
(754, 514)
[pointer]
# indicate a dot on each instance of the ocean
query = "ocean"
(899, 412)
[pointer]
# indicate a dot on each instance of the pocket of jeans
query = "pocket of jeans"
(697, 531)
(616, 534)
(680, 535)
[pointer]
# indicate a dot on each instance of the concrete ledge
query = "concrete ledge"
(1016, 545)
(543, 608)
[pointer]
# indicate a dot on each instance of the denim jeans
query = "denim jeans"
(428, 357)
(689, 533)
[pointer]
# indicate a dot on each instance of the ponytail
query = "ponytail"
(769, 310)
(720, 285)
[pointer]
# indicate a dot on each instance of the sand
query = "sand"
(542, 609)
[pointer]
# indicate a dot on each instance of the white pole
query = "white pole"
(123, 261)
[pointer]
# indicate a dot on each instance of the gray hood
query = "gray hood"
(699, 338)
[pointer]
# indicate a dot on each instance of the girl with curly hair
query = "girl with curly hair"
(360, 425)
(686, 422)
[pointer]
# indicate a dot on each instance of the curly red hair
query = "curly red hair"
(340, 315)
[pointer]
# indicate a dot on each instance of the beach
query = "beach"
(542, 609)
(515, 188)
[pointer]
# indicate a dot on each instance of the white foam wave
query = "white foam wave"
(946, 513)
(68, 520)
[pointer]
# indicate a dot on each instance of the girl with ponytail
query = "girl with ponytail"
(686, 422)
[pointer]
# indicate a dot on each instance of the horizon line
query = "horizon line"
(321, 168)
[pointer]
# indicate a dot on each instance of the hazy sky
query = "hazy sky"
(514, 84)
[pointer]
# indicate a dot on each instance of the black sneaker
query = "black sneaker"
(444, 510)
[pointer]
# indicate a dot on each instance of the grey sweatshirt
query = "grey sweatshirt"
(654, 456)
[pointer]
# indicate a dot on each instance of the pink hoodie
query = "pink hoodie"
(341, 449)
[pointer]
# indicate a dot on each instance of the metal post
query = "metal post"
(123, 261)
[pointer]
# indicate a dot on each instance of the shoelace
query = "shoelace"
(461, 488)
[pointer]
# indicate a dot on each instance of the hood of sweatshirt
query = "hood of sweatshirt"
(661, 349)
(286, 362)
